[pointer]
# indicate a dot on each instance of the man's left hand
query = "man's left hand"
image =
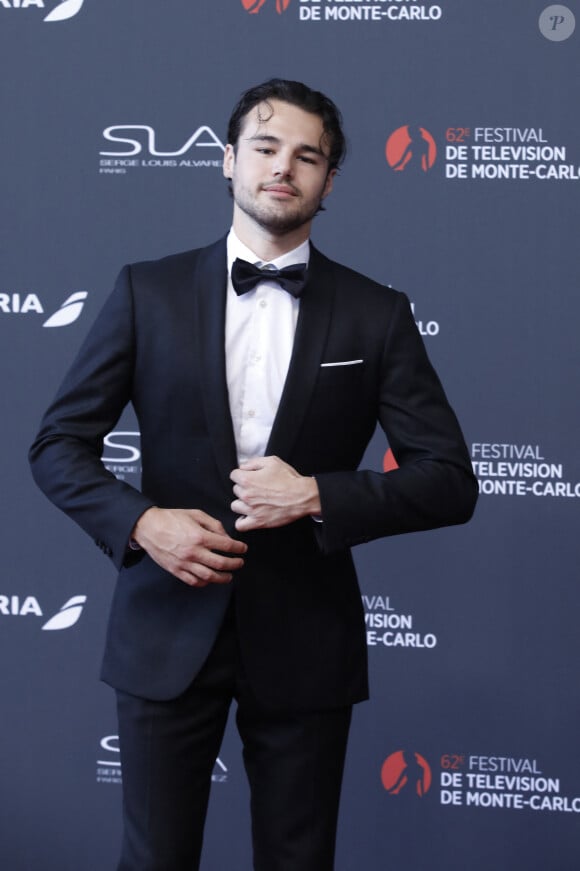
(271, 493)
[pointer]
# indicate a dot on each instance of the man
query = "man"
(236, 579)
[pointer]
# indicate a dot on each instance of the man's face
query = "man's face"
(279, 170)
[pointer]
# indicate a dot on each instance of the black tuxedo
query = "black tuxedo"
(286, 637)
(159, 343)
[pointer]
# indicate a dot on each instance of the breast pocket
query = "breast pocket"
(341, 416)
(340, 387)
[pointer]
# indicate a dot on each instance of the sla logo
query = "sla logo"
(122, 447)
(67, 616)
(65, 9)
(403, 769)
(110, 744)
(109, 765)
(254, 6)
(70, 310)
(203, 137)
(122, 454)
(411, 147)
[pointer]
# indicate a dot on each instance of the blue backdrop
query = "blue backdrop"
(461, 188)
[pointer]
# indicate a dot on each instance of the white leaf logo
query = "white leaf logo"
(65, 10)
(68, 312)
(68, 614)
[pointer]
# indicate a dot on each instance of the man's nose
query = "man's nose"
(282, 165)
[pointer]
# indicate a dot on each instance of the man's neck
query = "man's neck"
(266, 245)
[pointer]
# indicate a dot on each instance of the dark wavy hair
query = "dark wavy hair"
(299, 95)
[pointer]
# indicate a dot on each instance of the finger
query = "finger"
(206, 521)
(200, 573)
(201, 562)
(204, 575)
(218, 538)
(247, 523)
(238, 506)
(194, 580)
(237, 475)
(223, 543)
(254, 463)
(240, 474)
(208, 561)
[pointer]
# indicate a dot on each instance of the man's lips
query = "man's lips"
(283, 189)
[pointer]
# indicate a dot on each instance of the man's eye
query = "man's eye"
(265, 151)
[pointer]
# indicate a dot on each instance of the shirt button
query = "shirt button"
(251, 413)
(263, 303)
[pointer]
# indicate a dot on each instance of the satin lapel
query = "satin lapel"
(210, 289)
(309, 342)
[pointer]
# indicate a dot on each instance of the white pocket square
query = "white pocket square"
(343, 363)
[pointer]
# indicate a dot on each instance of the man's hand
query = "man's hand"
(184, 541)
(271, 493)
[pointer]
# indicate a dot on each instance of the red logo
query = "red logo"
(254, 6)
(389, 462)
(404, 769)
(411, 147)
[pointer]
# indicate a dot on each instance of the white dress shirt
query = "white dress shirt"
(259, 336)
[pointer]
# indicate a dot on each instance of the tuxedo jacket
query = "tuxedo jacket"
(357, 360)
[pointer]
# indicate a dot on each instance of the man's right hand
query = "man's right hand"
(184, 541)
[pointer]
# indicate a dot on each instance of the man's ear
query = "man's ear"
(229, 161)
(328, 183)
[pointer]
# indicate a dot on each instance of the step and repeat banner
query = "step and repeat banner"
(462, 188)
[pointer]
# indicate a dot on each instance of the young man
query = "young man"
(257, 391)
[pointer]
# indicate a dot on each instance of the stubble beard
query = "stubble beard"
(277, 219)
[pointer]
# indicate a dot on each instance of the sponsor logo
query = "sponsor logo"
(20, 304)
(23, 606)
(482, 153)
(69, 311)
(411, 148)
(388, 11)
(426, 328)
(478, 781)
(109, 763)
(496, 153)
(122, 453)
(254, 6)
(505, 469)
(409, 771)
(137, 146)
(68, 615)
(387, 627)
(503, 782)
(557, 22)
(61, 12)
(29, 303)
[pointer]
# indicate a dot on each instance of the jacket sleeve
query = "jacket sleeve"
(434, 485)
(66, 455)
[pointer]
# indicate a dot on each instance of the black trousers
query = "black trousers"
(294, 764)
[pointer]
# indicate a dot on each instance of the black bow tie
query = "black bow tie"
(245, 276)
